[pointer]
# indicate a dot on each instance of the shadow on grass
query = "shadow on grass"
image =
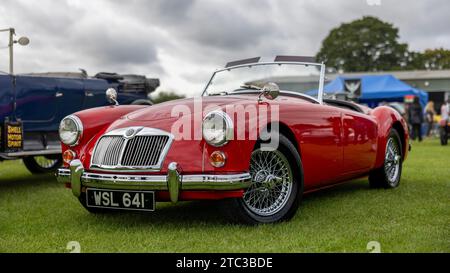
(27, 180)
(206, 213)
(186, 214)
(344, 189)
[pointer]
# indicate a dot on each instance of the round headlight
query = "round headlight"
(217, 128)
(70, 130)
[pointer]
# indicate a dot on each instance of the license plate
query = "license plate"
(118, 199)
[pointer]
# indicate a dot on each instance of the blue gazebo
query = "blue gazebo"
(378, 88)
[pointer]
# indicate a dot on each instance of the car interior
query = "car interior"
(343, 104)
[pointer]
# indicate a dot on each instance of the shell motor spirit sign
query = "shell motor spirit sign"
(12, 136)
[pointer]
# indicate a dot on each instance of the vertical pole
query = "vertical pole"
(11, 51)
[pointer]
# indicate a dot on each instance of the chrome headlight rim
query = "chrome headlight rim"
(229, 128)
(79, 127)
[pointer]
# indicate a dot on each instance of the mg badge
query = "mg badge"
(129, 133)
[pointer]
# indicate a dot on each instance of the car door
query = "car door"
(6, 96)
(319, 131)
(359, 140)
(70, 97)
(36, 101)
(94, 90)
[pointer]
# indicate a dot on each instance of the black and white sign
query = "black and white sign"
(118, 199)
(353, 87)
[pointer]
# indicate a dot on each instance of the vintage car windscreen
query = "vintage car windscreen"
(288, 76)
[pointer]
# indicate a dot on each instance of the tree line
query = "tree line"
(369, 44)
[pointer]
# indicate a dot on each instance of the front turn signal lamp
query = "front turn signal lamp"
(68, 156)
(218, 159)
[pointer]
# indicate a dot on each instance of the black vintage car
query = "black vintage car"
(32, 106)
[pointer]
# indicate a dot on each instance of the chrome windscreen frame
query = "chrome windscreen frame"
(321, 77)
(138, 131)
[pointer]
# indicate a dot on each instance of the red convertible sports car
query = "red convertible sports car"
(244, 141)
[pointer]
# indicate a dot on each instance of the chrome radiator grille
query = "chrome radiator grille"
(144, 150)
(108, 151)
(140, 152)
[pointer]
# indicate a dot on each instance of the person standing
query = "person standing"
(429, 116)
(415, 118)
(445, 111)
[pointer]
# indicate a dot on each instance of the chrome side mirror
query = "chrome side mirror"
(111, 96)
(270, 91)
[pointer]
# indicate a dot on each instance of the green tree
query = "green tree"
(166, 96)
(435, 59)
(414, 61)
(366, 44)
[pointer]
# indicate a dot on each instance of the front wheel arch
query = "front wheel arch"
(401, 131)
(284, 130)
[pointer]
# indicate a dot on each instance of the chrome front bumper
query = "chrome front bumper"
(173, 182)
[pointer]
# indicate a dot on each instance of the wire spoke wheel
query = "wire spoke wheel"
(388, 175)
(272, 182)
(392, 161)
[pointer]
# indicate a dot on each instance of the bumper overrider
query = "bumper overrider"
(174, 182)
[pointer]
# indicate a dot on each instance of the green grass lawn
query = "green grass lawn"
(39, 215)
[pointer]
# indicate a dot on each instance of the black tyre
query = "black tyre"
(277, 187)
(389, 175)
(42, 164)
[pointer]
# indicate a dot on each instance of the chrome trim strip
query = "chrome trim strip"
(63, 176)
(321, 83)
(268, 63)
(39, 152)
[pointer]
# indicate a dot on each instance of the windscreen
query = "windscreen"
(294, 77)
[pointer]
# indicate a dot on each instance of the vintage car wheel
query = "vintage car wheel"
(42, 164)
(277, 186)
(389, 175)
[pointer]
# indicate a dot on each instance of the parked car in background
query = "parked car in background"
(32, 106)
(259, 149)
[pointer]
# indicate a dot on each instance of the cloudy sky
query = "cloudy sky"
(183, 41)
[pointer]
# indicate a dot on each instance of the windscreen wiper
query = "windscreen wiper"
(250, 86)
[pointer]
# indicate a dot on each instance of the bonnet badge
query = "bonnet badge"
(129, 133)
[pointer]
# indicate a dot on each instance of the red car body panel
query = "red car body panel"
(334, 144)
